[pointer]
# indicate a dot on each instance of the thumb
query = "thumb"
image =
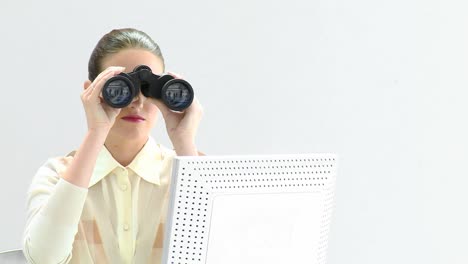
(162, 106)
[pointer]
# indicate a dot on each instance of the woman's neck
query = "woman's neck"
(124, 150)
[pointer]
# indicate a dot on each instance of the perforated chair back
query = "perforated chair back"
(12, 257)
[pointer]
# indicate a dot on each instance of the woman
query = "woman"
(106, 202)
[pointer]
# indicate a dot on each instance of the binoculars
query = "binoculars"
(119, 91)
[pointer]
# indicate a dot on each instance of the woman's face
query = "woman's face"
(135, 121)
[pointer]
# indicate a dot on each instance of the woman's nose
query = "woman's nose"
(138, 100)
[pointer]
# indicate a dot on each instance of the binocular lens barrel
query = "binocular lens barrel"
(118, 93)
(177, 95)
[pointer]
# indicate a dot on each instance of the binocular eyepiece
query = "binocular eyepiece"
(119, 91)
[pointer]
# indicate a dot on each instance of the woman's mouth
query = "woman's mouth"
(133, 118)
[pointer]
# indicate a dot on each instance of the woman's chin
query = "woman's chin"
(129, 133)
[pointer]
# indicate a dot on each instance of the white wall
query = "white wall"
(381, 83)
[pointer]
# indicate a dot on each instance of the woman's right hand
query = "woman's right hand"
(99, 115)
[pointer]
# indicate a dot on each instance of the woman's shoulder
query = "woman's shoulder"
(59, 163)
(52, 168)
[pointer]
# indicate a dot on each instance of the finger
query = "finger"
(110, 72)
(162, 107)
(175, 75)
(117, 69)
(99, 83)
(193, 114)
(89, 90)
(195, 108)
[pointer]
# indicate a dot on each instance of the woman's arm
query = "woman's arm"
(80, 170)
(100, 118)
(53, 211)
(59, 189)
(182, 126)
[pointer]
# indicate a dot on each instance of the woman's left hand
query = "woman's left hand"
(182, 126)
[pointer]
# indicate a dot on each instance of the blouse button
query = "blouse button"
(126, 227)
(124, 187)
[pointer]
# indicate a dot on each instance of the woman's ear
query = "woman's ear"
(86, 84)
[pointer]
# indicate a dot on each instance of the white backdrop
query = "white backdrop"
(381, 83)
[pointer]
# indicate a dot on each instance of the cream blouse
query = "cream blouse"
(118, 219)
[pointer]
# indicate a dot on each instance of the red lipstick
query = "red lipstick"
(133, 118)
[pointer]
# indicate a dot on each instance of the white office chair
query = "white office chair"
(12, 257)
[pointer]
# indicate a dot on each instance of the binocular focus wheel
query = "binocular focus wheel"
(142, 67)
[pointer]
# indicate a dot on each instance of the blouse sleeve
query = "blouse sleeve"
(54, 208)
